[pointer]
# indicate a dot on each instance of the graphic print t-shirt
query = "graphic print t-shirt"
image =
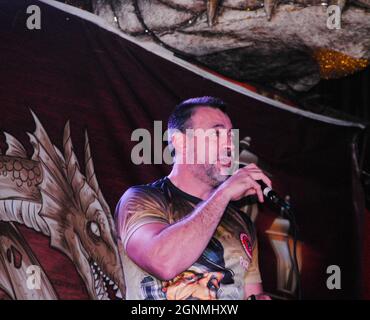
(221, 272)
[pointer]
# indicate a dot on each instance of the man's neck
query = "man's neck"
(184, 179)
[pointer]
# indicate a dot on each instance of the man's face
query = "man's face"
(212, 146)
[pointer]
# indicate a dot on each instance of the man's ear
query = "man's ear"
(178, 141)
(178, 144)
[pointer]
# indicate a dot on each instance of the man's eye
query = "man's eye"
(213, 134)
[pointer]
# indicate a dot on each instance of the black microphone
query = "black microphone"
(273, 197)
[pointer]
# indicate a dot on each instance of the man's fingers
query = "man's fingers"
(250, 192)
(266, 180)
(254, 185)
(250, 175)
(251, 166)
(256, 173)
(261, 176)
(249, 169)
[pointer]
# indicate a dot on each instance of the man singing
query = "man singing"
(181, 237)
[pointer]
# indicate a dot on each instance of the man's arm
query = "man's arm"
(255, 289)
(253, 282)
(167, 250)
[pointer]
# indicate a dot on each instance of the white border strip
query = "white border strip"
(168, 55)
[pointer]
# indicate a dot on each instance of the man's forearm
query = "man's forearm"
(179, 245)
(255, 289)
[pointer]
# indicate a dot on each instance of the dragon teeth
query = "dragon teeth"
(119, 294)
(212, 6)
(102, 282)
(97, 286)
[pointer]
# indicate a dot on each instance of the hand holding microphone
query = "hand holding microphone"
(245, 182)
(250, 180)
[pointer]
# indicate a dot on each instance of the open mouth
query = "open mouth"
(105, 288)
(226, 162)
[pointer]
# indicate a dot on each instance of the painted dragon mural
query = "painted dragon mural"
(49, 194)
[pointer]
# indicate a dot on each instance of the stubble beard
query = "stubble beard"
(209, 174)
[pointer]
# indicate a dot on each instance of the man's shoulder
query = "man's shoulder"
(140, 203)
(151, 191)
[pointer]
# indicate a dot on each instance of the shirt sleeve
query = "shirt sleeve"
(137, 207)
(253, 273)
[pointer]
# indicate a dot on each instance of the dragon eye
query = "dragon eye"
(94, 228)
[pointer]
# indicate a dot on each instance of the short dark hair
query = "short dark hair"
(179, 118)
